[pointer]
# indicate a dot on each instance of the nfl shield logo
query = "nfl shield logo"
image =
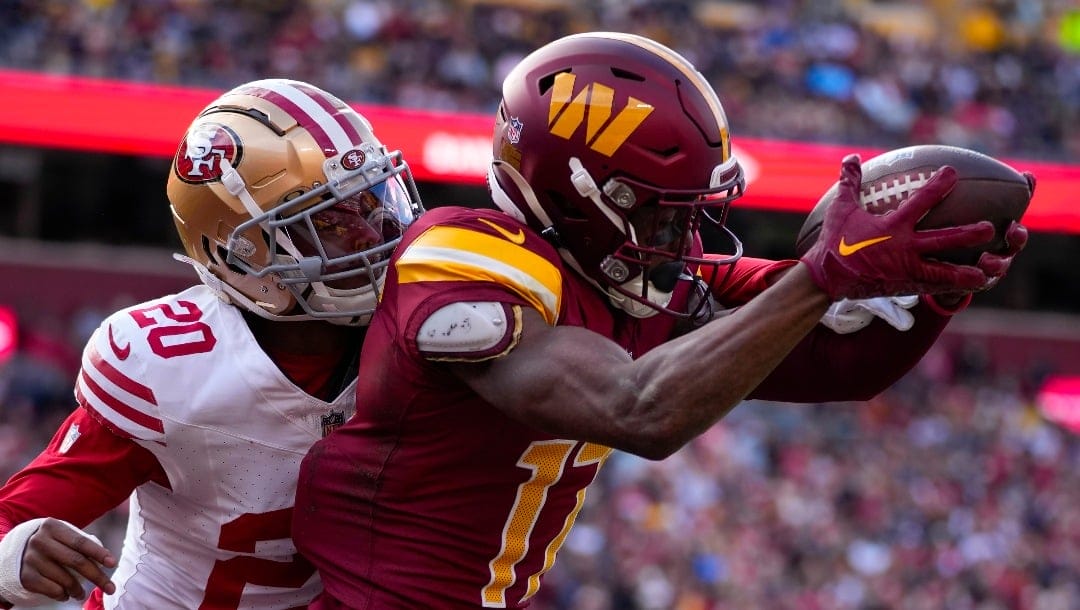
(332, 421)
(514, 132)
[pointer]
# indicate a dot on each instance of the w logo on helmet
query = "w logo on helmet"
(567, 111)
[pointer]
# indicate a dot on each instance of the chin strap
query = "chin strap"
(234, 183)
(637, 308)
(230, 295)
(586, 187)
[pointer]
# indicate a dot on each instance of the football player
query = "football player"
(514, 350)
(197, 407)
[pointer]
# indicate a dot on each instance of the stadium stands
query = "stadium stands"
(948, 491)
(1002, 77)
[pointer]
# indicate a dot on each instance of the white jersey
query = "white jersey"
(184, 377)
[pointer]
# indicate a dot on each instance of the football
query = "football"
(987, 189)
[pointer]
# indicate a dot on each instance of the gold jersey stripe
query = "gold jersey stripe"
(452, 254)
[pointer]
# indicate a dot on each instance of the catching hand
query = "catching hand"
(995, 266)
(861, 255)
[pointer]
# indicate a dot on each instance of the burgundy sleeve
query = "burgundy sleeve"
(743, 280)
(97, 472)
(827, 366)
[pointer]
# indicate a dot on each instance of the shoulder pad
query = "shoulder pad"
(470, 331)
(482, 251)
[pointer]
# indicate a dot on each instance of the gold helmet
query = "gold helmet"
(287, 204)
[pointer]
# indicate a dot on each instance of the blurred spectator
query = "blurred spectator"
(36, 394)
(999, 76)
(947, 491)
(938, 494)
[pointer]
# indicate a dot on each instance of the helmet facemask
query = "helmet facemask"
(331, 244)
(595, 128)
(288, 205)
(660, 229)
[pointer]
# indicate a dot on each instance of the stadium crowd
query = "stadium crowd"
(947, 491)
(1000, 76)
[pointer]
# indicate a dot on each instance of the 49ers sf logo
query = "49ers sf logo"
(567, 111)
(199, 158)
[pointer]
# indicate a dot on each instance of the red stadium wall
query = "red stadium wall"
(82, 114)
(67, 279)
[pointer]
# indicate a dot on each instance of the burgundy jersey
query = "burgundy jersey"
(430, 497)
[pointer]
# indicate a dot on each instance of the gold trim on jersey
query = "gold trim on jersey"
(454, 254)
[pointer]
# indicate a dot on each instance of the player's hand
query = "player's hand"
(994, 265)
(861, 255)
(56, 557)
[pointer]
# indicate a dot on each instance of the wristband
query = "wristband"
(12, 548)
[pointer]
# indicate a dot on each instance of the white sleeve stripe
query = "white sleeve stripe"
(94, 361)
(313, 116)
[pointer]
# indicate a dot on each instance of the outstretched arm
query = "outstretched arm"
(575, 383)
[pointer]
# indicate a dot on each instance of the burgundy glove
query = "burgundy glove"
(860, 255)
(995, 266)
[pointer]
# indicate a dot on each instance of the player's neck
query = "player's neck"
(307, 337)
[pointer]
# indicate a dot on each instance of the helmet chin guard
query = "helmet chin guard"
(620, 297)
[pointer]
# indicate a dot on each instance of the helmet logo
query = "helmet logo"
(199, 157)
(513, 133)
(567, 111)
(354, 159)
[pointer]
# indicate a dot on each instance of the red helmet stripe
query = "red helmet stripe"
(309, 112)
(328, 105)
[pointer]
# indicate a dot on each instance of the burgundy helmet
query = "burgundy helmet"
(615, 148)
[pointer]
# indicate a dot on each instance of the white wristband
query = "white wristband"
(12, 548)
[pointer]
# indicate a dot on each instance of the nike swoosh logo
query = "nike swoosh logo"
(847, 249)
(121, 352)
(517, 238)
